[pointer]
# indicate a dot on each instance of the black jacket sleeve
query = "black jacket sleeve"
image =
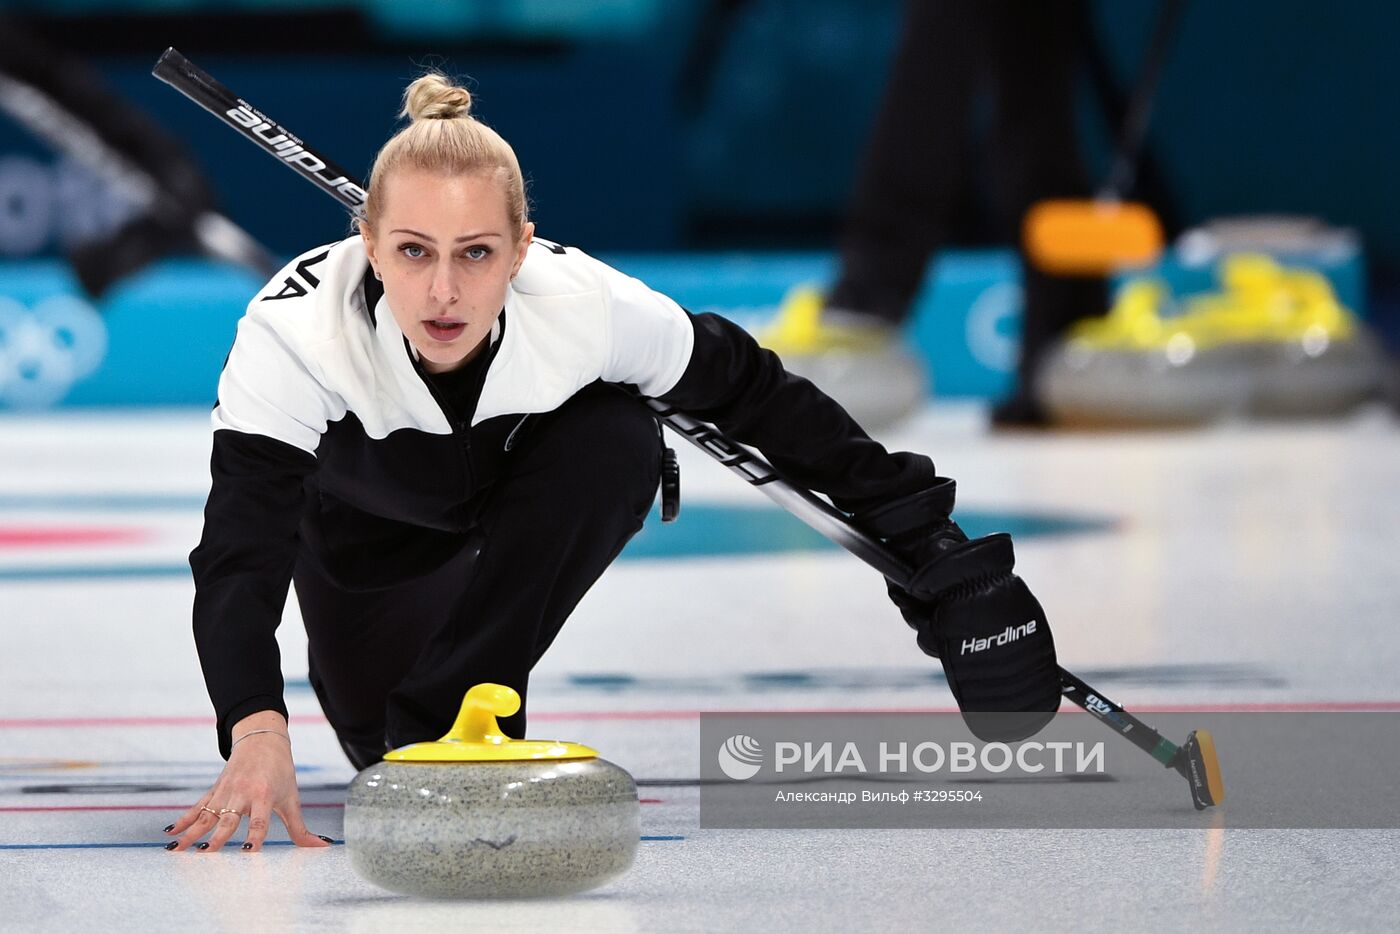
(242, 569)
(810, 439)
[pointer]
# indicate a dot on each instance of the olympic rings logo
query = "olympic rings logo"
(991, 326)
(46, 350)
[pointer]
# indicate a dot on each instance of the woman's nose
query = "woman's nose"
(444, 287)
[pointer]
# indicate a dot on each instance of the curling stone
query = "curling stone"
(1177, 385)
(856, 359)
(1273, 342)
(480, 815)
(1137, 367)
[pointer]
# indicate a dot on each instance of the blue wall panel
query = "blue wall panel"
(168, 329)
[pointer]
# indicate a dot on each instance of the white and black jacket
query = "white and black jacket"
(329, 438)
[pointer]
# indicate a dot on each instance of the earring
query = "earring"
(378, 275)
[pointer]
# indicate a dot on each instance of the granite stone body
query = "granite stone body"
(1079, 383)
(492, 829)
(877, 386)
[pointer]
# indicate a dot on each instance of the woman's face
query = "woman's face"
(444, 248)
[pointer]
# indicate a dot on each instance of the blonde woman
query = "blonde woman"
(420, 428)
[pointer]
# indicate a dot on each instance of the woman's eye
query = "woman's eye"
(477, 253)
(412, 250)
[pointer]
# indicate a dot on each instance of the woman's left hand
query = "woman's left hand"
(258, 781)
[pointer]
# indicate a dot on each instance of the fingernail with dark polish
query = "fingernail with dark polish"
(204, 846)
(247, 846)
(325, 838)
(170, 828)
(172, 844)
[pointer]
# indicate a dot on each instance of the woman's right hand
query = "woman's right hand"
(258, 781)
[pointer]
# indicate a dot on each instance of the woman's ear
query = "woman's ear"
(527, 233)
(367, 235)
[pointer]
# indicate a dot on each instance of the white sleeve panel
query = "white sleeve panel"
(268, 389)
(651, 337)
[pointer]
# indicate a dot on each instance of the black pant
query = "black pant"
(933, 145)
(391, 666)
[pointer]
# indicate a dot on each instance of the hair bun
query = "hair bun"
(433, 97)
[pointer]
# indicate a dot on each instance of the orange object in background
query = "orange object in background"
(1098, 236)
(1077, 237)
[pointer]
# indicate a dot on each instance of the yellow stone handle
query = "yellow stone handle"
(476, 722)
(476, 737)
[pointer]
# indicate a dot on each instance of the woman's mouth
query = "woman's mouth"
(444, 329)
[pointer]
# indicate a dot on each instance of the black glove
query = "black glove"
(973, 614)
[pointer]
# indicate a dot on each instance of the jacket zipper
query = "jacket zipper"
(463, 447)
(461, 427)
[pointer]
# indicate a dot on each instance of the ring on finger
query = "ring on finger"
(210, 810)
(223, 811)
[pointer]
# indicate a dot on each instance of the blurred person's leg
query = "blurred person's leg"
(914, 184)
(916, 169)
(1033, 154)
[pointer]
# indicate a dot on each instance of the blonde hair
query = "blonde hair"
(444, 137)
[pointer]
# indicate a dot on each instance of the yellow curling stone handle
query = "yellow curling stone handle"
(476, 737)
